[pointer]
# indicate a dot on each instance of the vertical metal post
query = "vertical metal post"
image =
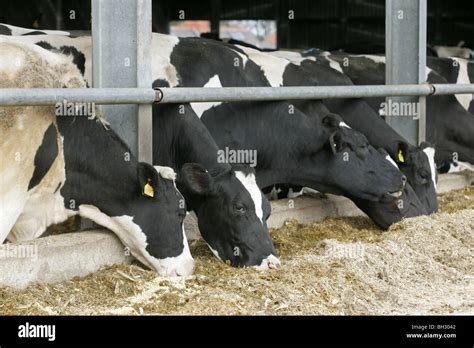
(405, 42)
(121, 57)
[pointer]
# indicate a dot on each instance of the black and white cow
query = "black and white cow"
(230, 208)
(51, 171)
(449, 126)
(171, 61)
(241, 238)
(296, 70)
(458, 71)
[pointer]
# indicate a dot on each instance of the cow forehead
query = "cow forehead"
(250, 184)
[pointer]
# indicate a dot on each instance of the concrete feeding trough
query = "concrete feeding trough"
(61, 257)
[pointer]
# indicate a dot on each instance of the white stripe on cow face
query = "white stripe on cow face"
(133, 237)
(390, 159)
(273, 67)
(430, 153)
(343, 124)
(200, 108)
(251, 186)
(463, 78)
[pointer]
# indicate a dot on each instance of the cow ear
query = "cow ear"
(425, 144)
(195, 178)
(332, 121)
(336, 141)
(402, 153)
(147, 179)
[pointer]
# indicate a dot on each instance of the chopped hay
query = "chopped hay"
(421, 265)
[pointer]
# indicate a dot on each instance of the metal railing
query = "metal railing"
(51, 96)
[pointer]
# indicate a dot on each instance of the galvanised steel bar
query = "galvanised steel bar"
(405, 46)
(51, 96)
(121, 37)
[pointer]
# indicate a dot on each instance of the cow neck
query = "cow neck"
(180, 139)
(98, 159)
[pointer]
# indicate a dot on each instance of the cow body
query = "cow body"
(53, 168)
(254, 247)
(449, 126)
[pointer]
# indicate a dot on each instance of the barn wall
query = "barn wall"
(317, 23)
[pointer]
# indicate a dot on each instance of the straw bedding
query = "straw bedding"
(422, 265)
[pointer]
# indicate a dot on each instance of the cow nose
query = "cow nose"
(185, 268)
(404, 180)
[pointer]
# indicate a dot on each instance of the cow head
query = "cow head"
(352, 167)
(417, 163)
(386, 213)
(147, 214)
(232, 214)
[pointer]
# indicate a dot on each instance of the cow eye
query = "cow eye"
(240, 209)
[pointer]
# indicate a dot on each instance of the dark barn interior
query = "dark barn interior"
(325, 24)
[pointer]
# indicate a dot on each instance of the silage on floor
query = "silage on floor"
(340, 266)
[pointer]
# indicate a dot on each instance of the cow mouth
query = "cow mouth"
(396, 194)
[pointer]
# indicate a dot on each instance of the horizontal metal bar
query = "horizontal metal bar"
(51, 96)
(228, 94)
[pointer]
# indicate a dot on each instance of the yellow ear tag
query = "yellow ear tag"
(400, 156)
(148, 190)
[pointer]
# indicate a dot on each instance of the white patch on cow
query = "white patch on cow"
(200, 108)
(268, 263)
(293, 57)
(133, 237)
(452, 51)
(11, 204)
(372, 57)
(251, 186)
(166, 172)
(273, 67)
(343, 124)
(243, 57)
(390, 159)
(460, 166)
(288, 55)
(161, 49)
(45, 204)
(216, 254)
(427, 72)
(430, 153)
(83, 44)
(463, 78)
(294, 194)
(332, 63)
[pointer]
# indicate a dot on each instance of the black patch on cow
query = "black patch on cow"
(78, 58)
(57, 188)
(45, 156)
(5, 30)
(45, 45)
(36, 32)
(158, 83)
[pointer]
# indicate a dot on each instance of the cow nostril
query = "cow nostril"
(404, 180)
